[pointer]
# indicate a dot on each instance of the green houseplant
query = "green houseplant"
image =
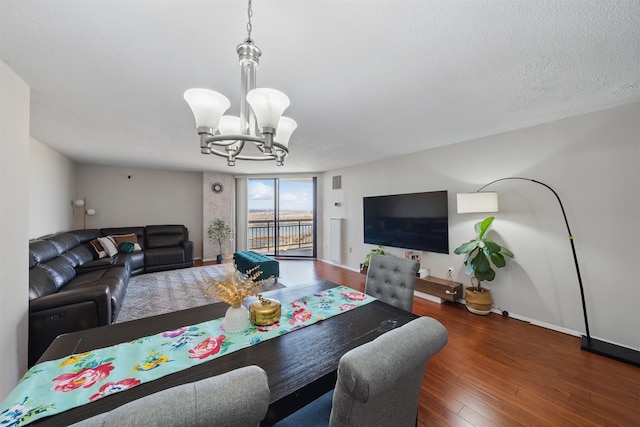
(365, 265)
(482, 255)
(219, 232)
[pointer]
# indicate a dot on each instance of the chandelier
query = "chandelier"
(261, 125)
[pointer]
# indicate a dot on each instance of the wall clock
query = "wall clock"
(217, 187)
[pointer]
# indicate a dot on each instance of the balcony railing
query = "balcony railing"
(292, 234)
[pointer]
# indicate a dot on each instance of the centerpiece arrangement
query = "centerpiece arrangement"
(234, 288)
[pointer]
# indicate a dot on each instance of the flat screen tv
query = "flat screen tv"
(417, 221)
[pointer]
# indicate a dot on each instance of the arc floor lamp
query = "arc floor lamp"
(488, 202)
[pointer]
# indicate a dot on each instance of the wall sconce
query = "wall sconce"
(87, 212)
(488, 202)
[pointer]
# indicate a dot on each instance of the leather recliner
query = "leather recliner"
(72, 289)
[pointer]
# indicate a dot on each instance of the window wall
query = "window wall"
(281, 216)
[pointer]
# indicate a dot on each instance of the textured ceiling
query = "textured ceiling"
(367, 79)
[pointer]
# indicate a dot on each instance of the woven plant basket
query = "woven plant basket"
(478, 302)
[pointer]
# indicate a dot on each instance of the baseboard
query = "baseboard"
(548, 325)
(346, 267)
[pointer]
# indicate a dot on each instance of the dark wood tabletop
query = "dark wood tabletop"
(300, 365)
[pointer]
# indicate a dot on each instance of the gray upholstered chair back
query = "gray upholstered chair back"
(379, 382)
(239, 398)
(391, 280)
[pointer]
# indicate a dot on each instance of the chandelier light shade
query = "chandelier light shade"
(230, 125)
(268, 106)
(285, 129)
(477, 202)
(207, 106)
(260, 122)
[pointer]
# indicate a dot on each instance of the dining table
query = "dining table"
(301, 365)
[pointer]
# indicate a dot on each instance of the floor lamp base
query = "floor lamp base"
(613, 351)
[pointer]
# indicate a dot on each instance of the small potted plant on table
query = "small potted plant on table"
(481, 254)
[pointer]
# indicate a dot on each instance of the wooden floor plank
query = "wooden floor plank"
(499, 371)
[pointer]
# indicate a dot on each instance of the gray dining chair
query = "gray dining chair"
(391, 280)
(378, 382)
(239, 398)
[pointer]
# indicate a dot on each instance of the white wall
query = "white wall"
(591, 161)
(128, 197)
(14, 227)
(51, 189)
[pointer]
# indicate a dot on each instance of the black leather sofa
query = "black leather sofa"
(72, 288)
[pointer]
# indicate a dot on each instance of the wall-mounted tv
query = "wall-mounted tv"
(417, 221)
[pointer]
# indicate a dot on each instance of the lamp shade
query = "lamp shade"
(207, 106)
(230, 125)
(268, 106)
(477, 202)
(91, 212)
(286, 126)
(78, 202)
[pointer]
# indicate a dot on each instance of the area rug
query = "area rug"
(167, 291)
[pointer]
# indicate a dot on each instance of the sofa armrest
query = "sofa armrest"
(64, 312)
(99, 295)
(96, 264)
(189, 251)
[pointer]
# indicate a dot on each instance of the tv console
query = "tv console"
(441, 288)
(433, 286)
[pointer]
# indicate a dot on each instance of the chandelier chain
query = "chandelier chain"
(249, 26)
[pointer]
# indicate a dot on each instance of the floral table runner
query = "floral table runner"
(55, 386)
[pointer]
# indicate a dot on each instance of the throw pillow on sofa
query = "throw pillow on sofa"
(108, 245)
(98, 248)
(119, 239)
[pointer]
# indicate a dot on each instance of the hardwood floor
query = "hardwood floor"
(498, 371)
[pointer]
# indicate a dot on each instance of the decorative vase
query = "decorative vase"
(478, 302)
(236, 319)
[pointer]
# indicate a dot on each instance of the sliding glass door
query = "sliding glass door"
(282, 216)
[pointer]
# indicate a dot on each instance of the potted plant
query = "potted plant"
(365, 265)
(219, 232)
(482, 256)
